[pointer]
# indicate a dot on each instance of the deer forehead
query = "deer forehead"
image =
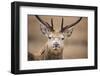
(56, 34)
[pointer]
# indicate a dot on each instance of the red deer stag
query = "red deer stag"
(53, 49)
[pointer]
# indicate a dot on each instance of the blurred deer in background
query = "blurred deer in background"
(53, 49)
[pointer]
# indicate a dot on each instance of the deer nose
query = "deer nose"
(56, 44)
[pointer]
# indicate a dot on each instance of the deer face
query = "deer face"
(55, 39)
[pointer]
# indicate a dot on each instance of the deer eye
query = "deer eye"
(49, 37)
(62, 38)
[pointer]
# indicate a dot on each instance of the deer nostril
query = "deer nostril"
(56, 44)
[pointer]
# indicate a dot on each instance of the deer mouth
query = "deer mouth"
(56, 48)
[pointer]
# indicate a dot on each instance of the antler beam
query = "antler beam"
(45, 23)
(69, 26)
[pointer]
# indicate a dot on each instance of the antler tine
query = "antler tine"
(62, 24)
(69, 26)
(52, 24)
(45, 23)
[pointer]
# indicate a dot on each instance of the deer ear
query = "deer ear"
(44, 30)
(68, 32)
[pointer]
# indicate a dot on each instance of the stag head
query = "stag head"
(56, 39)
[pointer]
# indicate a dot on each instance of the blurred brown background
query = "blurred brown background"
(75, 46)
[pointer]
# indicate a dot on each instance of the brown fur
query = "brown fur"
(47, 54)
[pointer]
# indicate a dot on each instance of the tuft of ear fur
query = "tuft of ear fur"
(44, 30)
(68, 32)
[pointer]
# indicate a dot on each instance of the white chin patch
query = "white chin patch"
(55, 48)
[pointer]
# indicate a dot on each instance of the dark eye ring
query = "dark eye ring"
(62, 38)
(49, 37)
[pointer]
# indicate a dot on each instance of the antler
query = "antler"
(69, 26)
(45, 23)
